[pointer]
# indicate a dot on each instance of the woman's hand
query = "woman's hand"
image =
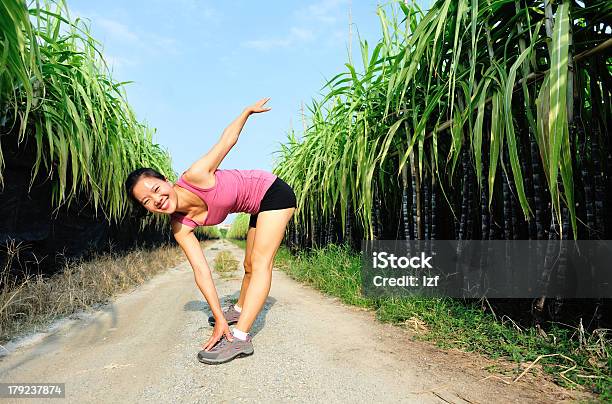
(221, 328)
(258, 106)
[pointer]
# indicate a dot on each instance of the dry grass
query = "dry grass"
(36, 301)
(225, 263)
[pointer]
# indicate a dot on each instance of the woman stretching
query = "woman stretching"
(204, 196)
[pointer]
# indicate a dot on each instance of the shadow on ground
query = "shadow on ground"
(260, 321)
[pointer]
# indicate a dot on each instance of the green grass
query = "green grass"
(239, 227)
(450, 323)
(207, 233)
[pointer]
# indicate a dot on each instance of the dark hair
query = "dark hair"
(133, 178)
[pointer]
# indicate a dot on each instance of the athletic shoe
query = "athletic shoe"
(230, 314)
(225, 350)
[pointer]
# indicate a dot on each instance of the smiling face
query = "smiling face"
(155, 195)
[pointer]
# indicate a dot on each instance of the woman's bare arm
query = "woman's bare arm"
(201, 271)
(211, 160)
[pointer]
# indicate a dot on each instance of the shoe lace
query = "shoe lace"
(220, 343)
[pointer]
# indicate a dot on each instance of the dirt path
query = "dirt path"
(308, 348)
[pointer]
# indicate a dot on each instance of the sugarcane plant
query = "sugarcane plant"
(56, 90)
(481, 108)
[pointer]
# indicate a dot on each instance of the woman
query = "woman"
(204, 196)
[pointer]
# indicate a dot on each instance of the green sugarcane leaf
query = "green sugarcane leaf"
(496, 141)
(477, 140)
(510, 136)
(557, 122)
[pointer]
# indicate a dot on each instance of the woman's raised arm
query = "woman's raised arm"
(211, 160)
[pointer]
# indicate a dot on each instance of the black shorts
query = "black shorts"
(279, 196)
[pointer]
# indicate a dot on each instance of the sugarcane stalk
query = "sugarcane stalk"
(484, 218)
(376, 212)
(526, 166)
(549, 261)
(416, 199)
(515, 215)
(599, 191)
(548, 18)
(292, 237)
(434, 203)
(381, 213)
(470, 216)
(373, 214)
(465, 200)
(321, 224)
(348, 227)
(334, 233)
(426, 204)
(562, 269)
(536, 174)
(315, 232)
(310, 230)
(587, 181)
(599, 196)
(512, 202)
(405, 214)
(507, 203)
(315, 241)
(485, 221)
(321, 232)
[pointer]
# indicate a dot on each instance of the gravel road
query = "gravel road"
(308, 348)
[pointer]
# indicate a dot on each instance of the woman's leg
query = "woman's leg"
(271, 225)
(247, 265)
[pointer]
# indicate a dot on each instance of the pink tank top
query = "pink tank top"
(234, 191)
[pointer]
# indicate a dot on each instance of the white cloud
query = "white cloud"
(294, 36)
(119, 62)
(148, 42)
(320, 20)
(158, 43)
(326, 11)
(301, 34)
(265, 44)
(197, 9)
(117, 29)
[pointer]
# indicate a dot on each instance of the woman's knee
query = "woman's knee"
(248, 267)
(260, 262)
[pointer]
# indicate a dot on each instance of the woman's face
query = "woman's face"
(155, 195)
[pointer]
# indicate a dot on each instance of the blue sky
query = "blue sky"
(196, 64)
